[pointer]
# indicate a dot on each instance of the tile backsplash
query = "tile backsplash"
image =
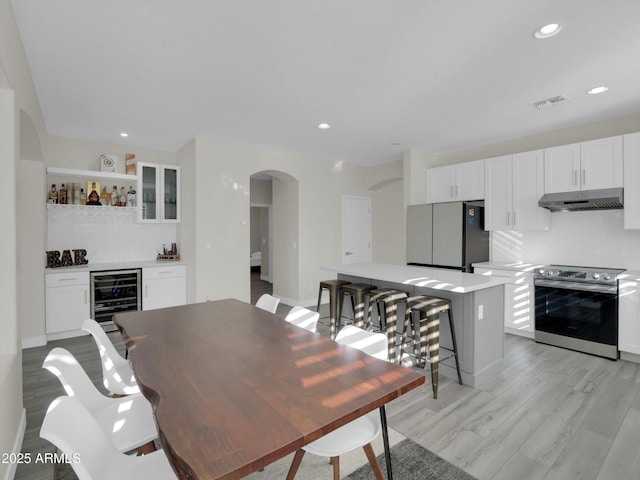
(107, 234)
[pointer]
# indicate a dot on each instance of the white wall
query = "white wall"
(17, 96)
(219, 184)
(595, 239)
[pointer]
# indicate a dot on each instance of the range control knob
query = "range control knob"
(607, 276)
(596, 275)
(541, 271)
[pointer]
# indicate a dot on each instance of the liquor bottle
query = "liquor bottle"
(62, 196)
(83, 197)
(123, 198)
(115, 199)
(104, 197)
(53, 194)
(93, 198)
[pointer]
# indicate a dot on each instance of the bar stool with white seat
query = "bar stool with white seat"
(117, 374)
(422, 322)
(335, 293)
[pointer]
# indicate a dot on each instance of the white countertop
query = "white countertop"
(95, 267)
(436, 278)
(511, 266)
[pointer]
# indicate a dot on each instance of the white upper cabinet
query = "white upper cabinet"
(632, 181)
(460, 182)
(158, 193)
(584, 166)
(513, 186)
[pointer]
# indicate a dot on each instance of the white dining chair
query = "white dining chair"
(117, 374)
(71, 428)
(268, 302)
(303, 317)
(360, 432)
(128, 421)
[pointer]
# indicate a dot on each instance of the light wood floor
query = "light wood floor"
(551, 414)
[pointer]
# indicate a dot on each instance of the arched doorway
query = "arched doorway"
(274, 235)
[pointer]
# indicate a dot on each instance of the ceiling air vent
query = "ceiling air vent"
(548, 102)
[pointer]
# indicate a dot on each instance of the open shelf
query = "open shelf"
(70, 172)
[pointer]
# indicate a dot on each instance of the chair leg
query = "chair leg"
(146, 448)
(373, 461)
(455, 344)
(293, 469)
(433, 340)
(319, 299)
(335, 461)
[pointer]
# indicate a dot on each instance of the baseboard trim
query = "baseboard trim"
(39, 341)
(17, 444)
(295, 303)
(520, 333)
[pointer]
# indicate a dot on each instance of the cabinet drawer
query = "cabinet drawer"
(168, 271)
(66, 279)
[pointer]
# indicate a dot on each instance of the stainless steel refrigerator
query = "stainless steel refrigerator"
(447, 235)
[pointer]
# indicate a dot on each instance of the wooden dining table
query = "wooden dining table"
(235, 388)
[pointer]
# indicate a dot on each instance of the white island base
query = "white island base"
(478, 311)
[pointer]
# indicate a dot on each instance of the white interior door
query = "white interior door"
(356, 229)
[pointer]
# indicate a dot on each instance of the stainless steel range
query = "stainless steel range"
(577, 308)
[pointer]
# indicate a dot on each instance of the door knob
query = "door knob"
(348, 253)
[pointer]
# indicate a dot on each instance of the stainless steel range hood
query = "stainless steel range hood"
(604, 199)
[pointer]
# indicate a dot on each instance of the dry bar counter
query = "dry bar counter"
(478, 309)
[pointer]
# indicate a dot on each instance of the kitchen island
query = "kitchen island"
(478, 310)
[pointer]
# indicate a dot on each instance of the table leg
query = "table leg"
(385, 439)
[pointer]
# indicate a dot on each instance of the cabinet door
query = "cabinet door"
(498, 214)
(164, 292)
(470, 181)
(164, 287)
(632, 181)
(528, 187)
(148, 192)
(629, 315)
(170, 211)
(67, 306)
(519, 306)
(601, 163)
(562, 168)
(441, 184)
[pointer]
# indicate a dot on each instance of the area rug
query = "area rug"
(409, 460)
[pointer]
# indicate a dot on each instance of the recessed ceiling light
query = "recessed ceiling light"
(124, 134)
(324, 126)
(548, 30)
(597, 90)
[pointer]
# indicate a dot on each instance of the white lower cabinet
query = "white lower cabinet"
(164, 286)
(67, 301)
(519, 300)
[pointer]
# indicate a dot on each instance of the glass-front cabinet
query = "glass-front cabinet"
(159, 193)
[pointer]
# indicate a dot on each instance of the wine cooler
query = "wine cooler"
(114, 292)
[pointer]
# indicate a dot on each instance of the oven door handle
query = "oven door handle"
(583, 287)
